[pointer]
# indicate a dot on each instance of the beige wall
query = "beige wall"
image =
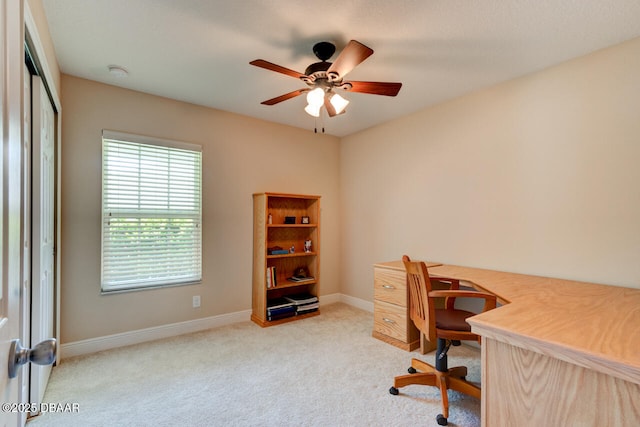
(241, 156)
(539, 175)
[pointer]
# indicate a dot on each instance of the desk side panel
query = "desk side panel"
(524, 388)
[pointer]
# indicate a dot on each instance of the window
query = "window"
(151, 212)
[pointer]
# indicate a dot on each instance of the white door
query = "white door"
(11, 60)
(25, 312)
(42, 231)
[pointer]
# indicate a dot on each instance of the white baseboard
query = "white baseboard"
(94, 345)
(357, 302)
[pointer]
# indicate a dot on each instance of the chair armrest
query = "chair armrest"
(454, 284)
(489, 303)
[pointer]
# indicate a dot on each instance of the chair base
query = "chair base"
(451, 379)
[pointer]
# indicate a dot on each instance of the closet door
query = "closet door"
(43, 237)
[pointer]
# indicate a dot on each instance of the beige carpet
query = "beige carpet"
(322, 371)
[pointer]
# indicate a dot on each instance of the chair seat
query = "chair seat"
(454, 320)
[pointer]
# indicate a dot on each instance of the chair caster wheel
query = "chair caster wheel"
(394, 391)
(442, 421)
(412, 370)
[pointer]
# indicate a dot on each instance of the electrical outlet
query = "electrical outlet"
(196, 301)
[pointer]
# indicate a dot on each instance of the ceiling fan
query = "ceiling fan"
(325, 79)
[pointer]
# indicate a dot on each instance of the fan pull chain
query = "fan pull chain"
(315, 124)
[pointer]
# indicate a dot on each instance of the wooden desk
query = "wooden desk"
(559, 352)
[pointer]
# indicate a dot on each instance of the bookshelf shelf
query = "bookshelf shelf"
(292, 255)
(289, 284)
(277, 226)
(292, 225)
(281, 321)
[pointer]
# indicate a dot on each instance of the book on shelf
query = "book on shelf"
(301, 299)
(272, 317)
(307, 308)
(277, 250)
(279, 303)
(281, 310)
(272, 282)
(312, 310)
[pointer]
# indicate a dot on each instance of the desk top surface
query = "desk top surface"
(591, 325)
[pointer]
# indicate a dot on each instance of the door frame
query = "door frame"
(11, 117)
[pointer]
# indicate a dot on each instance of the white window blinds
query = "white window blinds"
(151, 207)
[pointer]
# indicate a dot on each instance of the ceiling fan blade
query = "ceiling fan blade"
(277, 68)
(352, 55)
(375, 88)
(284, 97)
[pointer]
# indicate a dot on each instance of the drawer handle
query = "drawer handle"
(388, 320)
(388, 287)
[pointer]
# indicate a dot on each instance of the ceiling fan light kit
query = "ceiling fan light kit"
(324, 78)
(315, 100)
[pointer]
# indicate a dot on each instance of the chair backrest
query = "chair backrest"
(421, 307)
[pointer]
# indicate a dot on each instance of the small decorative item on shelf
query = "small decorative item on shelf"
(305, 220)
(307, 245)
(289, 219)
(270, 219)
(292, 249)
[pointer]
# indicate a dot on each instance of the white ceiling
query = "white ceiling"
(198, 51)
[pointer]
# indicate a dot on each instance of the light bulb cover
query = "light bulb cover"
(313, 110)
(316, 97)
(338, 102)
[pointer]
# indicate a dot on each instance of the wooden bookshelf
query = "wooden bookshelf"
(289, 237)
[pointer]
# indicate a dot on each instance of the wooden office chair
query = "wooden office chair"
(448, 325)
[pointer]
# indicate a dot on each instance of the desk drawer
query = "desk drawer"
(390, 286)
(390, 320)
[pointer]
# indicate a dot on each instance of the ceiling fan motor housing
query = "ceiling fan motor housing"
(318, 70)
(315, 71)
(324, 50)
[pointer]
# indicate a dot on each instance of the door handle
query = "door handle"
(43, 353)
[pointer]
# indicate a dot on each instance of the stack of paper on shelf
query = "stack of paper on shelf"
(301, 279)
(304, 303)
(280, 308)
